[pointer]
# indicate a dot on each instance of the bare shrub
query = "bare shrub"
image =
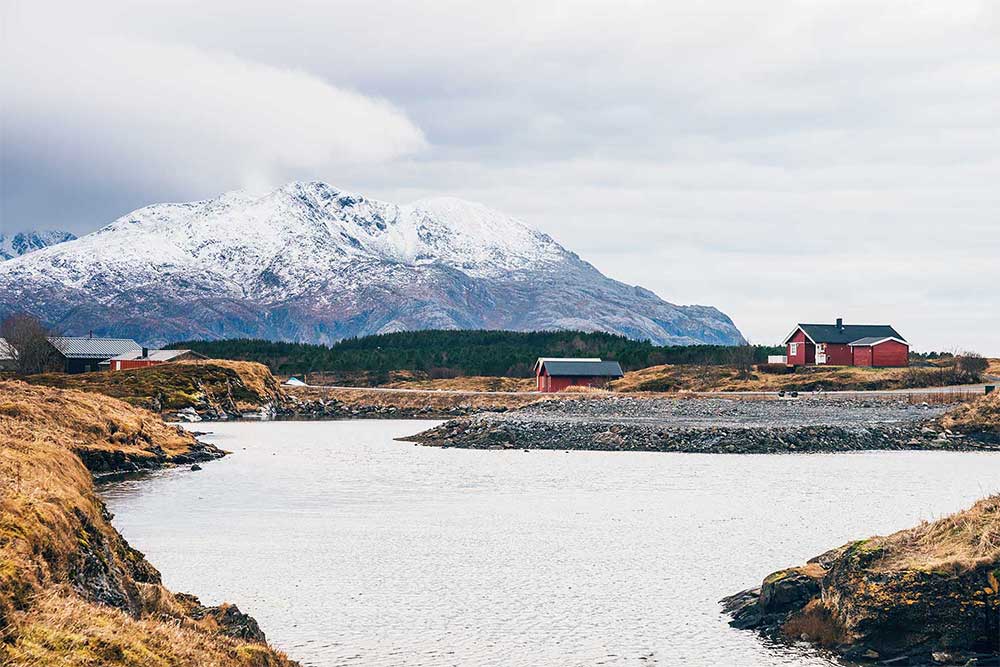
(28, 344)
(742, 358)
(972, 364)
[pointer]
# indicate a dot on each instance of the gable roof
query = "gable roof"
(82, 347)
(875, 340)
(154, 355)
(848, 333)
(586, 367)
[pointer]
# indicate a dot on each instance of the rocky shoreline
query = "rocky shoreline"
(103, 463)
(332, 409)
(851, 602)
(72, 590)
(707, 425)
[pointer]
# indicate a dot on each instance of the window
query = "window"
(793, 349)
(821, 347)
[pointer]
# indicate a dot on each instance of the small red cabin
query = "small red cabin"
(558, 374)
(839, 344)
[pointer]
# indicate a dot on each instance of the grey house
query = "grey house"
(84, 354)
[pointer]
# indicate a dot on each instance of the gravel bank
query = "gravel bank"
(812, 424)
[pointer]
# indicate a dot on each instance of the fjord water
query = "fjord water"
(353, 549)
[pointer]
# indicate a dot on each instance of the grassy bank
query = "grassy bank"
(72, 591)
(231, 386)
(726, 378)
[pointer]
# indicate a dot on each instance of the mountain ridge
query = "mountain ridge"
(308, 262)
(21, 243)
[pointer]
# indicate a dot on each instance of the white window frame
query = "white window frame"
(793, 349)
(820, 348)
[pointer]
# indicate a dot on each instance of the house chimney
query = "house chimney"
(145, 352)
(840, 324)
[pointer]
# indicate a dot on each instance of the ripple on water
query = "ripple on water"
(350, 548)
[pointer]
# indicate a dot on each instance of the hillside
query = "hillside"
(229, 387)
(371, 360)
(72, 591)
(311, 263)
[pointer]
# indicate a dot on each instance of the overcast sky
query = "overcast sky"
(783, 161)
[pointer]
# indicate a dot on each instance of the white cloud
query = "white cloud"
(148, 111)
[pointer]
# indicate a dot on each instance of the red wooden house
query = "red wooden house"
(874, 345)
(558, 374)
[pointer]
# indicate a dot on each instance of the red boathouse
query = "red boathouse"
(557, 374)
(839, 344)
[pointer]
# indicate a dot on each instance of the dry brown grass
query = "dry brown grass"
(674, 378)
(725, 378)
(65, 630)
(960, 542)
(80, 420)
(979, 416)
(60, 558)
(993, 370)
(815, 622)
(589, 391)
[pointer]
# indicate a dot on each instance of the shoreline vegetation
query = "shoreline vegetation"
(225, 389)
(72, 590)
(924, 595)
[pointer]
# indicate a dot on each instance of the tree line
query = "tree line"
(448, 353)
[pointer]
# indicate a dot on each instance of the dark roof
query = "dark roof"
(93, 348)
(581, 367)
(848, 333)
(871, 340)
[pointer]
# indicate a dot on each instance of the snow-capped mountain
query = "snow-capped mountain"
(15, 245)
(310, 263)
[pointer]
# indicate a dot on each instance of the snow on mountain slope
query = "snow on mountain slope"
(21, 243)
(308, 262)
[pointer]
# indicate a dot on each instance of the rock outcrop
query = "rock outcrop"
(926, 595)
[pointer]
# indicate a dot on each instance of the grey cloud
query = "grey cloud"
(774, 159)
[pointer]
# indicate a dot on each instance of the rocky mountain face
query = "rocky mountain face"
(21, 243)
(310, 263)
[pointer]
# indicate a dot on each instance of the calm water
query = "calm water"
(353, 549)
